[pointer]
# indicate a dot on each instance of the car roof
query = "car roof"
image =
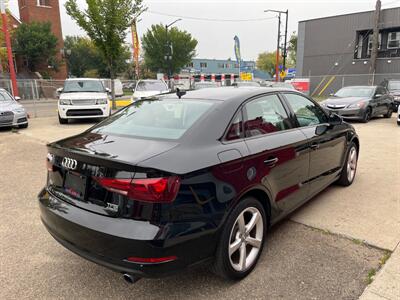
(227, 93)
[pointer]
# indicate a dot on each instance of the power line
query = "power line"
(208, 19)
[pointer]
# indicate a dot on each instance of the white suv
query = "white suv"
(82, 98)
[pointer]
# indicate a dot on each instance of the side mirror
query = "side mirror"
(378, 96)
(17, 98)
(321, 129)
(334, 120)
(108, 91)
(59, 90)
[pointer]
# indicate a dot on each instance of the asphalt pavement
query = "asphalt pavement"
(317, 253)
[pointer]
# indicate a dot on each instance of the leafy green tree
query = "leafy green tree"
(81, 55)
(154, 43)
(106, 23)
(266, 61)
(36, 42)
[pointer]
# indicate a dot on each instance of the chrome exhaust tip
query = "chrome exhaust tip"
(130, 278)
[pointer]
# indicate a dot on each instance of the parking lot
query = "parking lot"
(328, 249)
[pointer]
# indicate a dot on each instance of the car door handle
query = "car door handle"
(314, 146)
(271, 161)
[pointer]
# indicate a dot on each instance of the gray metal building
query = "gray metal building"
(339, 48)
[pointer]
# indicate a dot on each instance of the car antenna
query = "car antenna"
(180, 93)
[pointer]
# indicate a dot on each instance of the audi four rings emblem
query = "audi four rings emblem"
(69, 163)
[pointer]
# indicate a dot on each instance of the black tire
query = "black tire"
(62, 120)
(222, 265)
(389, 113)
(23, 126)
(367, 115)
(344, 178)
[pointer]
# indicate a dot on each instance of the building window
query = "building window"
(359, 46)
(221, 65)
(203, 65)
(23, 3)
(189, 65)
(393, 40)
(227, 66)
(369, 50)
(43, 3)
(236, 65)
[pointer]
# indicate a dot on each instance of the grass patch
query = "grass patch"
(357, 241)
(384, 258)
(370, 276)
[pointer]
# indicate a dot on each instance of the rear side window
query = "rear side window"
(307, 113)
(265, 115)
(168, 119)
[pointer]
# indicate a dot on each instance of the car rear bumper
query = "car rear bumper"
(83, 111)
(109, 241)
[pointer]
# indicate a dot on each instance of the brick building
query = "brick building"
(45, 11)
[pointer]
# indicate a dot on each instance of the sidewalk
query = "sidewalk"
(386, 284)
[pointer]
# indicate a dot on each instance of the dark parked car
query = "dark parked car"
(169, 183)
(393, 87)
(360, 103)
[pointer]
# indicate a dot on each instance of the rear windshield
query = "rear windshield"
(72, 86)
(168, 119)
(151, 86)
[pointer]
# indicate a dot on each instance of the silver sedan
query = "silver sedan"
(12, 114)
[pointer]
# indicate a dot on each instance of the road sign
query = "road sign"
(282, 74)
(246, 76)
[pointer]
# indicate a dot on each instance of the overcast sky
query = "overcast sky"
(216, 37)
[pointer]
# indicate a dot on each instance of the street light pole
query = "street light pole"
(169, 51)
(13, 76)
(279, 38)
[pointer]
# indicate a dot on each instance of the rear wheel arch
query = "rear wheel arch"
(263, 198)
(357, 143)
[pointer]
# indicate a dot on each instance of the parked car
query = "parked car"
(83, 98)
(119, 89)
(246, 84)
(360, 103)
(205, 85)
(398, 115)
(286, 85)
(169, 183)
(148, 88)
(12, 114)
(393, 87)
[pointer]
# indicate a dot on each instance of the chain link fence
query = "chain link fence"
(324, 85)
(320, 86)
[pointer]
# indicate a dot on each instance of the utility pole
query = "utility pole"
(285, 45)
(279, 39)
(13, 76)
(168, 56)
(375, 37)
(277, 49)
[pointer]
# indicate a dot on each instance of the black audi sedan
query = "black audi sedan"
(174, 181)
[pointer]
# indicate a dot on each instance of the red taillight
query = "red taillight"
(151, 260)
(158, 190)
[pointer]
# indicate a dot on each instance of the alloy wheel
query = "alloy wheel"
(246, 239)
(351, 164)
